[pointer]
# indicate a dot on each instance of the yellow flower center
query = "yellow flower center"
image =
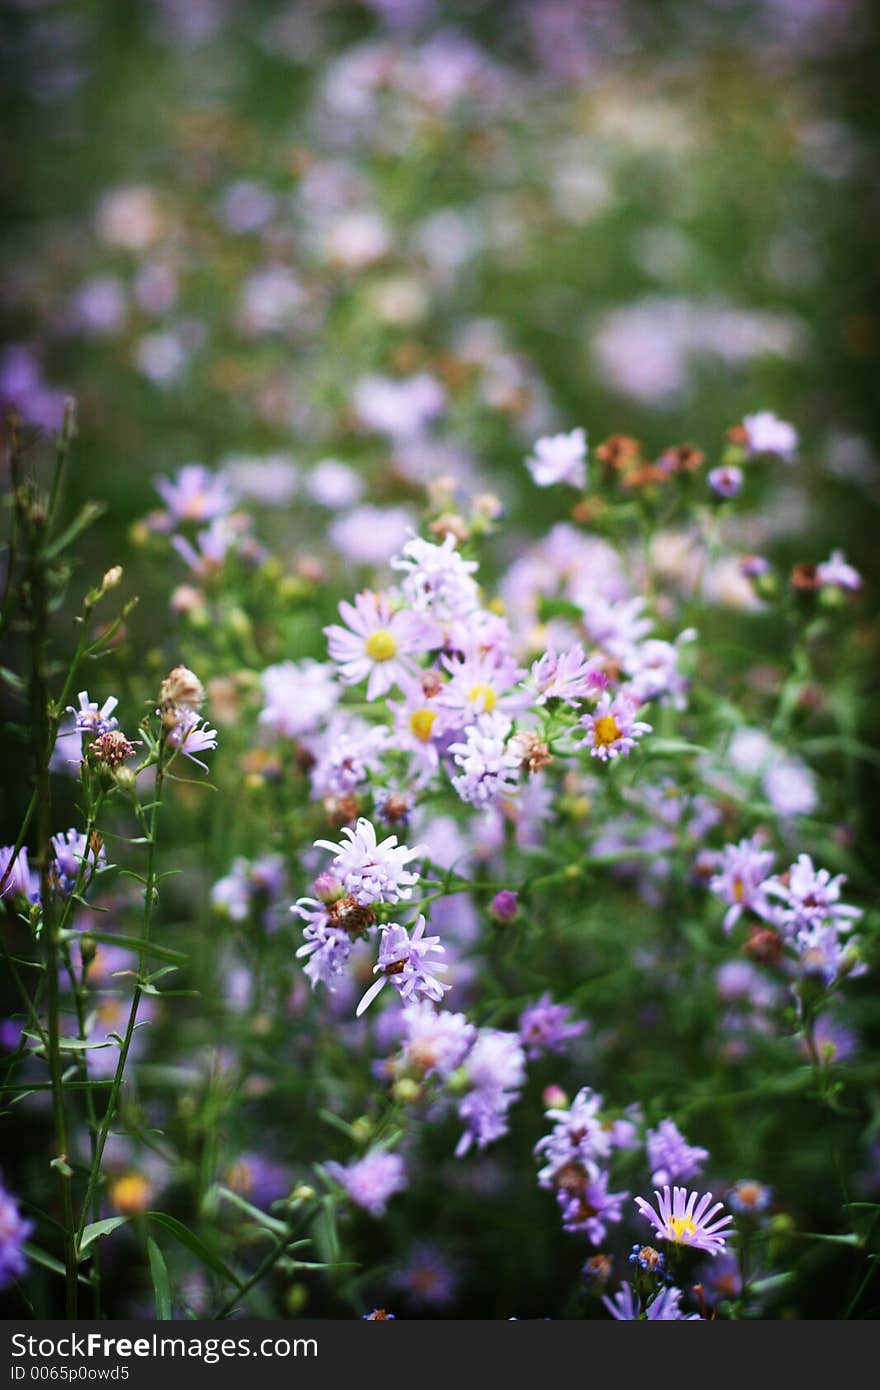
(681, 1227)
(131, 1194)
(421, 722)
(485, 696)
(606, 730)
(381, 645)
(739, 890)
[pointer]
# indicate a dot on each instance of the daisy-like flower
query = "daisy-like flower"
(481, 683)
(16, 876)
(626, 1306)
(670, 1155)
(560, 458)
(435, 1041)
(577, 1143)
(377, 643)
(566, 676)
(810, 899)
(838, 573)
(740, 880)
(371, 1181)
(496, 1070)
(547, 1027)
(71, 850)
(685, 1218)
(438, 580)
(298, 696)
(403, 959)
(195, 494)
(191, 736)
(488, 767)
(372, 871)
(14, 1231)
(749, 1197)
(726, 481)
(612, 730)
(765, 433)
(89, 718)
(590, 1209)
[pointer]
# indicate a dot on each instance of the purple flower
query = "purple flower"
(426, 1277)
(546, 1027)
(560, 458)
(810, 899)
(767, 434)
(626, 1306)
(90, 719)
(403, 959)
(612, 731)
(578, 1142)
(260, 1180)
(589, 1209)
(740, 881)
(726, 481)
(566, 676)
(371, 1181)
(496, 1071)
(372, 871)
(684, 1218)
(192, 735)
(71, 851)
(298, 696)
(195, 494)
(503, 906)
(837, 573)
(16, 876)
(377, 643)
(438, 580)
(749, 1198)
(488, 768)
(670, 1155)
(435, 1042)
(14, 1231)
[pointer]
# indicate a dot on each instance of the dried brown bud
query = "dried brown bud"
(764, 945)
(181, 688)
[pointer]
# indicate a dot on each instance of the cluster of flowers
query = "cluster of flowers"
(797, 918)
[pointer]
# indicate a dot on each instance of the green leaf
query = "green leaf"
(136, 943)
(161, 1286)
(261, 1218)
(96, 1229)
(186, 1237)
(89, 514)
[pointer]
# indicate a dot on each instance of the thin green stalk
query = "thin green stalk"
(149, 903)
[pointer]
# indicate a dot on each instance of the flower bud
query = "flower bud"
(181, 688)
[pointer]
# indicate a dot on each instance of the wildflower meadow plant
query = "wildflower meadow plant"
(436, 874)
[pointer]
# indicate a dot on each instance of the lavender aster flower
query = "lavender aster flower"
(566, 676)
(546, 1027)
(192, 735)
(740, 881)
(613, 730)
(671, 1157)
(560, 458)
(626, 1306)
(766, 434)
(590, 1209)
(725, 481)
(403, 959)
(377, 643)
(685, 1218)
(488, 768)
(14, 1231)
(195, 494)
(810, 899)
(371, 1181)
(837, 573)
(372, 871)
(71, 850)
(89, 718)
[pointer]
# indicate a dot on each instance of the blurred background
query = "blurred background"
(410, 237)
